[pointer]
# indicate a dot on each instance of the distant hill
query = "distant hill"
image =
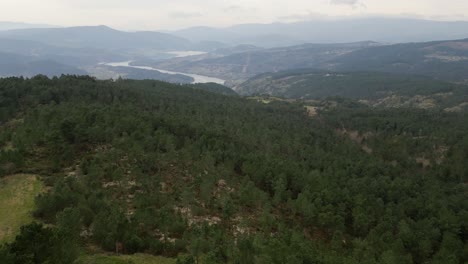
(214, 88)
(99, 37)
(70, 50)
(376, 88)
(445, 60)
(240, 66)
(110, 72)
(28, 58)
(18, 65)
(7, 25)
(390, 30)
(72, 56)
(236, 49)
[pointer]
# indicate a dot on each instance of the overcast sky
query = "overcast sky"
(174, 14)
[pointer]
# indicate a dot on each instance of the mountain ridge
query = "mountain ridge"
(98, 37)
(9, 25)
(391, 30)
(445, 60)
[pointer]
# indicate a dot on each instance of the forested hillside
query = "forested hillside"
(106, 72)
(176, 171)
(444, 60)
(240, 66)
(372, 88)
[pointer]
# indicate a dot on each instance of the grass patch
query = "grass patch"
(125, 259)
(311, 110)
(17, 193)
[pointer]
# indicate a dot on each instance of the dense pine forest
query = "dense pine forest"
(190, 173)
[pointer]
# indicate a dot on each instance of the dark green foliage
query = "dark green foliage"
(435, 59)
(314, 84)
(443, 60)
(142, 74)
(37, 244)
(168, 169)
(33, 245)
(185, 259)
(67, 236)
(214, 88)
(241, 65)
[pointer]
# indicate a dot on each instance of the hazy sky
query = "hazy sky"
(172, 14)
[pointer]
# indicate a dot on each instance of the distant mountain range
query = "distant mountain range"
(75, 49)
(84, 47)
(101, 37)
(241, 65)
(6, 25)
(27, 66)
(444, 60)
(238, 53)
(72, 56)
(385, 30)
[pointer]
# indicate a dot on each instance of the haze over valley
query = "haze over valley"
(236, 53)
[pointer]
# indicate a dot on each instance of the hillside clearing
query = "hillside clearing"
(17, 193)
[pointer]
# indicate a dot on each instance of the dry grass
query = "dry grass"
(312, 110)
(125, 259)
(17, 193)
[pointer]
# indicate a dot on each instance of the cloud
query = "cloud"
(180, 15)
(303, 17)
(233, 8)
(344, 2)
(175, 14)
(351, 3)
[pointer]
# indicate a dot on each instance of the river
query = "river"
(197, 78)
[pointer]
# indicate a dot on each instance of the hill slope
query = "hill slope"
(27, 66)
(101, 37)
(444, 60)
(77, 57)
(243, 65)
(7, 25)
(146, 166)
(376, 88)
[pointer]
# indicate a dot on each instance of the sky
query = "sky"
(176, 14)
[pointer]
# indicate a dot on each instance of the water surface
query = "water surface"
(197, 78)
